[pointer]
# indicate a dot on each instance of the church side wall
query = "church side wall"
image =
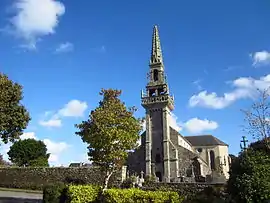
(223, 152)
(220, 152)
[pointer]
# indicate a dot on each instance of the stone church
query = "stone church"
(164, 152)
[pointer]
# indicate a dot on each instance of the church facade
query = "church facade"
(164, 152)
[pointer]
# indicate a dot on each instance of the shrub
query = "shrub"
(55, 193)
(127, 183)
(83, 193)
(138, 196)
(209, 194)
(150, 179)
(250, 177)
(192, 192)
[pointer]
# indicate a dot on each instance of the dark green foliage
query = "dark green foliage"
(233, 157)
(150, 179)
(37, 178)
(29, 152)
(56, 193)
(250, 176)
(191, 190)
(14, 118)
(209, 194)
(110, 132)
(261, 145)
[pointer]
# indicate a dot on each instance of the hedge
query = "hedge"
(191, 191)
(93, 194)
(37, 178)
(83, 193)
(137, 196)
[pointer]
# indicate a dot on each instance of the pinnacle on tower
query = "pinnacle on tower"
(156, 54)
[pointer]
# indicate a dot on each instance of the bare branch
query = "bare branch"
(257, 118)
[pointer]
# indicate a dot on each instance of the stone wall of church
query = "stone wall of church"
(223, 152)
(185, 161)
(221, 155)
(136, 161)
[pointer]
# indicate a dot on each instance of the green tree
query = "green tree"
(250, 172)
(249, 180)
(29, 152)
(110, 132)
(14, 117)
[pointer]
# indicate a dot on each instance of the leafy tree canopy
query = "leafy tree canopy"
(14, 117)
(29, 152)
(110, 132)
(250, 176)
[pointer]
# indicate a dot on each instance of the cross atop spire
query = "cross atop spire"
(156, 54)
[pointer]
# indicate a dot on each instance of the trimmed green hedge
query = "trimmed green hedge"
(137, 196)
(93, 194)
(37, 178)
(83, 193)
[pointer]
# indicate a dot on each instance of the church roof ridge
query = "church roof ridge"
(205, 140)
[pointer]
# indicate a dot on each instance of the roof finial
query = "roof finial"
(156, 55)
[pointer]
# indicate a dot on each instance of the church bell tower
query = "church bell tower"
(158, 104)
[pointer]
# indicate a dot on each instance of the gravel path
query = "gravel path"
(19, 197)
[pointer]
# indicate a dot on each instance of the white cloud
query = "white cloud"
(34, 19)
(54, 148)
(195, 125)
(244, 87)
(64, 48)
(173, 122)
(51, 123)
(260, 58)
(28, 135)
(74, 108)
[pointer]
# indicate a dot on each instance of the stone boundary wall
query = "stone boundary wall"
(36, 178)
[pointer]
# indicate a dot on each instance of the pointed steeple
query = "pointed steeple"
(156, 54)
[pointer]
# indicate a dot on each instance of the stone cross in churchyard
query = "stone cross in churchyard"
(244, 141)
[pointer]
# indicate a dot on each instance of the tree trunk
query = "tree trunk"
(106, 180)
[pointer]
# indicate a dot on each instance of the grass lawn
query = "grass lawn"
(20, 190)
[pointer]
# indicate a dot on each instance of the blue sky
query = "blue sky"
(64, 52)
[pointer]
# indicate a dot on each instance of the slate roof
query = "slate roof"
(174, 132)
(205, 140)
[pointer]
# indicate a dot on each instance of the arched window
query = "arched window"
(212, 160)
(155, 75)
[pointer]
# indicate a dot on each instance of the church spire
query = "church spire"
(156, 54)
